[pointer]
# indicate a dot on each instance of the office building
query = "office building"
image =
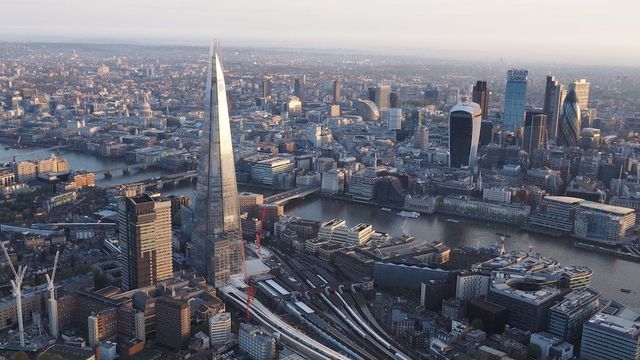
(220, 329)
(383, 96)
(337, 86)
(464, 134)
(471, 285)
(581, 88)
(526, 299)
(216, 250)
(362, 185)
(256, 343)
(514, 99)
(569, 124)
(173, 320)
(590, 138)
(333, 182)
(367, 109)
(535, 128)
(486, 133)
(421, 138)
(264, 171)
(603, 223)
(480, 96)
(394, 100)
(556, 213)
(145, 236)
(299, 88)
(554, 95)
(567, 317)
(266, 87)
(613, 333)
(395, 119)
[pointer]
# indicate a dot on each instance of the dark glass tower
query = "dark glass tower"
(337, 86)
(535, 128)
(298, 88)
(480, 96)
(464, 134)
(554, 94)
(216, 251)
(569, 124)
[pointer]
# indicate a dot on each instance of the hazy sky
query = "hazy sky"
(581, 31)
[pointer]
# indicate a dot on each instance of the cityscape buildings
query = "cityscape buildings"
(569, 123)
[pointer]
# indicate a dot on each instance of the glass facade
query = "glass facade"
(464, 134)
(514, 99)
(569, 124)
(216, 250)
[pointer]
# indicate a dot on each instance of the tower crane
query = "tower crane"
(16, 284)
(53, 304)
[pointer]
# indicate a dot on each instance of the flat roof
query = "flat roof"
(565, 199)
(619, 210)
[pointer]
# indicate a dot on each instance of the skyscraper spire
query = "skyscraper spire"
(217, 237)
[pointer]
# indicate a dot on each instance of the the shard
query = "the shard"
(216, 245)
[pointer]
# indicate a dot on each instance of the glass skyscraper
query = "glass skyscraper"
(514, 99)
(464, 134)
(216, 251)
(569, 124)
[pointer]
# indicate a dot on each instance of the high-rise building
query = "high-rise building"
(464, 134)
(486, 133)
(299, 88)
(145, 234)
(216, 251)
(535, 127)
(173, 322)
(554, 95)
(337, 86)
(569, 124)
(395, 119)
(371, 94)
(514, 98)
(480, 96)
(394, 100)
(421, 138)
(266, 87)
(383, 96)
(582, 92)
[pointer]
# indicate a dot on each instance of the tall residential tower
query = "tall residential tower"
(216, 251)
(144, 225)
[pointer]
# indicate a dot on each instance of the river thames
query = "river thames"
(610, 273)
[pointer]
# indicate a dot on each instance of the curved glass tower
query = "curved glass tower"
(216, 251)
(569, 125)
(464, 134)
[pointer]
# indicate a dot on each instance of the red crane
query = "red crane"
(250, 288)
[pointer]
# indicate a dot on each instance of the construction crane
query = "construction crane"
(53, 304)
(16, 284)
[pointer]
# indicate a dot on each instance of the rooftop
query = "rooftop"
(575, 300)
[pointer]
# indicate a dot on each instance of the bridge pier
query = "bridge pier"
(108, 174)
(126, 171)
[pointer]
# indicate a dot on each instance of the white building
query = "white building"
(470, 285)
(394, 118)
(497, 194)
(220, 329)
(333, 181)
(256, 342)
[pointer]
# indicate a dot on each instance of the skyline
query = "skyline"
(594, 33)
